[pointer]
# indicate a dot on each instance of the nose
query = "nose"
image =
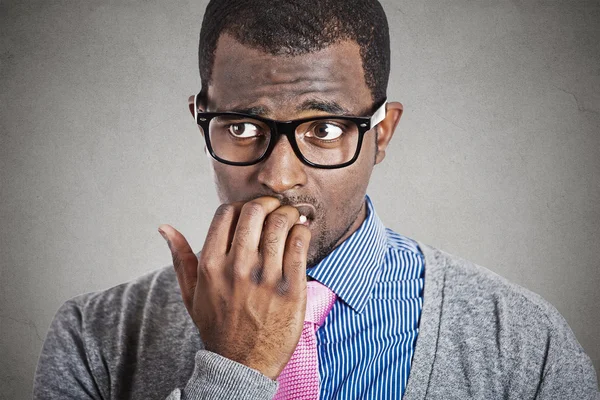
(282, 170)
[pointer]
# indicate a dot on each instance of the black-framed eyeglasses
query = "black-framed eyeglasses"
(322, 142)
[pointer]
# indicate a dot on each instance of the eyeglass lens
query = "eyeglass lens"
(323, 142)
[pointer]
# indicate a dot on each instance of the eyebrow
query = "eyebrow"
(255, 110)
(330, 107)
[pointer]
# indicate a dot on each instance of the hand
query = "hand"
(246, 292)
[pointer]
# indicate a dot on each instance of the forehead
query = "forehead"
(244, 77)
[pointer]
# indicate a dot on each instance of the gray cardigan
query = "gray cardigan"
(480, 337)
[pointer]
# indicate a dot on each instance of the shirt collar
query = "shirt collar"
(353, 268)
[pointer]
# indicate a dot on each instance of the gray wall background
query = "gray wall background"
(497, 157)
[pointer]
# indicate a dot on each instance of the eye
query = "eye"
(243, 130)
(325, 131)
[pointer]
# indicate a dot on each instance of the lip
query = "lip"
(308, 210)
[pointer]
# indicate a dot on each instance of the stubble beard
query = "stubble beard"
(324, 246)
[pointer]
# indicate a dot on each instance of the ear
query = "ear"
(191, 105)
(386, 129)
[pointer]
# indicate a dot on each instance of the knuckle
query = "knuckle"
(269, 245)
(270, 242)
(223, 210)
(237, 275)
(278, 220)
(257, 275)
(270, 250)
(242, 234)
(239, 271)
(203, 270)
(208, 264)
(296, 265)
(205, 259)
(283, 287)
(297, 243)
(253, 209)
(271, 238)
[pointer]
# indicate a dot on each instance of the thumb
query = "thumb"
(185, 262)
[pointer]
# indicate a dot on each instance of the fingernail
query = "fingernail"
(163, 234)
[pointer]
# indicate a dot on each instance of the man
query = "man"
(294, 115)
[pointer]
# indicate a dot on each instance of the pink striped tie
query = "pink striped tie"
(299, 380)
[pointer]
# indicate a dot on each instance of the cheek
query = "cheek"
(230, 181)
(346, 187)
(345, 194)
(369, 147)
(363, 167)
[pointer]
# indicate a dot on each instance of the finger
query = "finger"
(246, 238)
(185, 262)
(294, 260)
(222, 227)
(272, 244)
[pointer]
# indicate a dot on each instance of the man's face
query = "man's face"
(286, 88)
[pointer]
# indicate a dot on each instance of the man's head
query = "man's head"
(287, 60)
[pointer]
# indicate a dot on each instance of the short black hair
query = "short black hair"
(294, 27)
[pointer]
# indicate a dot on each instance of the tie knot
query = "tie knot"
(319, 300)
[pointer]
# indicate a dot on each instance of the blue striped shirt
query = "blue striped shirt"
(366, 343)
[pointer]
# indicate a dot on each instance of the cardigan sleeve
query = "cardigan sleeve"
(217, 377)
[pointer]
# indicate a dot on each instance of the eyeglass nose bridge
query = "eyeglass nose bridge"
(288, 129)
(284, 128)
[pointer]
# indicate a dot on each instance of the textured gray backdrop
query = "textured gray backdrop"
(497, 157)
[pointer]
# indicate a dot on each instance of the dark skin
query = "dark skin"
(246, 292)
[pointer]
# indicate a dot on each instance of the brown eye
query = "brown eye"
(326, 131)
(243, 130)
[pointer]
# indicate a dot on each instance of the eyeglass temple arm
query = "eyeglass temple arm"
(379, 115)
(196, 107)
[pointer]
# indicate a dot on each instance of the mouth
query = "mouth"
(307, 213)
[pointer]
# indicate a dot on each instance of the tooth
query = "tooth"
(302, 219)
